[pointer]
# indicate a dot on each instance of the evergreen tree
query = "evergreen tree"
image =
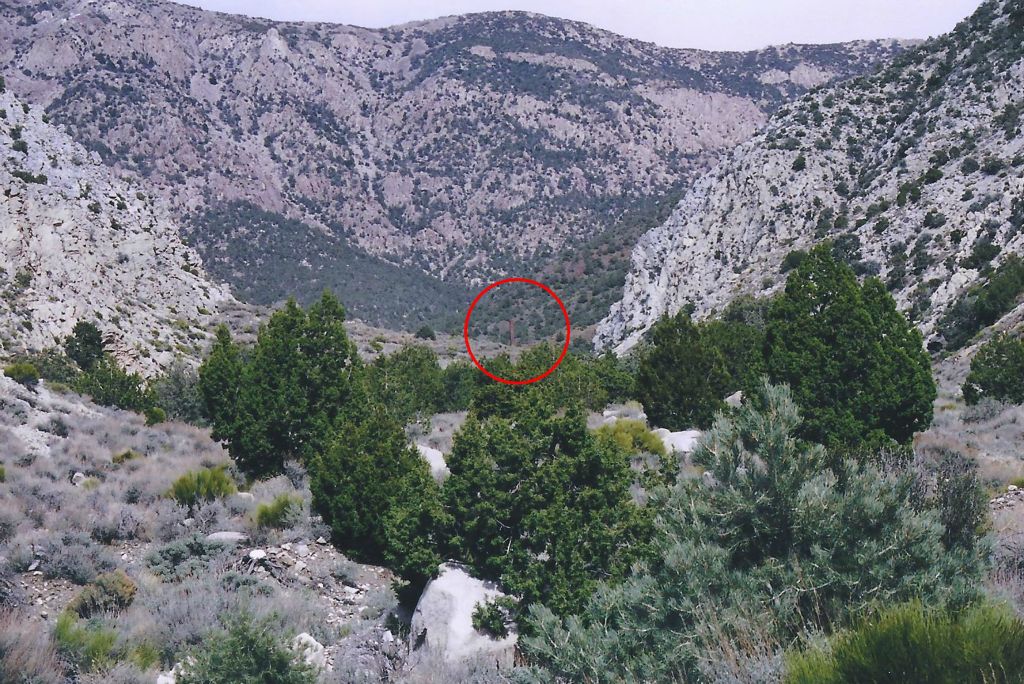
(681, 378)
(772, 542)
(407, 383)
(542, 505)
(107, 384)
(858, 369)
(84, 345)
(285, 399)
(376, 493)
(220, 376)
(997, 371)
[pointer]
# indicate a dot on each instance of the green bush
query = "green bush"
(125, 456)
(912, 643)
(633, 437)
(109, 592)
(997, 371)
(681, 378)
(90, 647)
(983, 304)
(247, 653)
(282, 400)
(84, 345)
(185, 557)
(426, 333)
(542, 505)
(23, 373)
(493, 617)
(827, 334)
(53, 365)
(201, 485)
(107, 384)
(792, 260)
(780, 540)
(377, 494)
(154, 415)
(280, 512)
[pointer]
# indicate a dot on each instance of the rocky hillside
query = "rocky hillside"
(77, 242)
(467, 146)
(915, 174)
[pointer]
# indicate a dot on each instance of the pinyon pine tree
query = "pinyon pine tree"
(771, 542)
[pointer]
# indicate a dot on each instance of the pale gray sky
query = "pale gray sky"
(710, 24)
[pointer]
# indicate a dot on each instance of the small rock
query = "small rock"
(257, 554)
(321, 540)
(228, 537)
(388, 636)
(300, 566)
(77, 479)
(302, 551)
(34, 566)
(1012, 488)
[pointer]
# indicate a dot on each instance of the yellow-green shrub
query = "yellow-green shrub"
(278, 512)
(911, 643)
(89, 647)
(111, 591)
(202, 485)
(633, 436)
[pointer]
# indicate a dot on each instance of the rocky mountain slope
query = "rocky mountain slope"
(915, 173)
(467, 146)
(78, 242)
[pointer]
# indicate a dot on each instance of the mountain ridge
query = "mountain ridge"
(468, 148)
(915, 173)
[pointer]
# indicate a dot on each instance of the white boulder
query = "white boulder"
(680, 442)
(235, 538)
(438, 467)
(310, 650)
(442, 625)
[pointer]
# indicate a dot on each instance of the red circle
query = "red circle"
(469, 348)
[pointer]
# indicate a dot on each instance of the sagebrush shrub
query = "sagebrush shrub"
(109, 592)
(184, 557)
(27, 655)
(247, 652)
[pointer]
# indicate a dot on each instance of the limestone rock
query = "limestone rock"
(442, 625)
(78, 242)
(227, 537)
(877, 164)
(310, 650)
(438, 467)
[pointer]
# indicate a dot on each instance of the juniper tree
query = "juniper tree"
(857, 368)
(681, 377)
(542, 505)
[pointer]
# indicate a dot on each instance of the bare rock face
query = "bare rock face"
(467, 147)
(79, 243)
(916, 174)
(442, 626)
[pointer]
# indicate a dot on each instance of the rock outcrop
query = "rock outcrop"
(442, 626)
(77, 242)
(914, 173)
